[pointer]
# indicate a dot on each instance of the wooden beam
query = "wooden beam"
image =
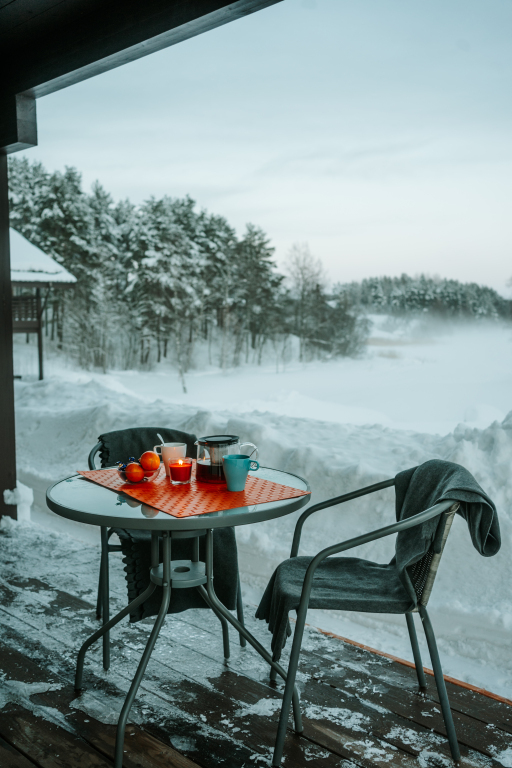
(7, 434)
(39, 333)
(18, 126)
(47, 46)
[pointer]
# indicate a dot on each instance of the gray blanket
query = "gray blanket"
(349, 583)
(432, 482)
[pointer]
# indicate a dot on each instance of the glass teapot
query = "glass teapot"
(210, 451)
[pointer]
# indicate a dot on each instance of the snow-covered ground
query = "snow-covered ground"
(420, 391)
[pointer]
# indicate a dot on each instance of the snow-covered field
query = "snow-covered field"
(421, 391)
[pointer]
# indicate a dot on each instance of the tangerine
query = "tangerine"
(150, 460)
(134, 472)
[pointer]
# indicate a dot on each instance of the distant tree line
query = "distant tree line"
(405, 295)
(162, 279)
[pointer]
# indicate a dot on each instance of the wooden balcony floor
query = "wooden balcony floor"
(361, 709)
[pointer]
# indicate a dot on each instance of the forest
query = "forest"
(165, 280)
(423, 294)
(162, 279)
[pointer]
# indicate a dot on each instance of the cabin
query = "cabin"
(33, 276)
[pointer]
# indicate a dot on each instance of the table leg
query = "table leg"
(105, 597)
(166, 586)
(105, 628)
(225, 630)
(210, 593)
(240, 610)
(223, 622)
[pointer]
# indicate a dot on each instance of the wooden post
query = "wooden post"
(39, 333)
(18, 130)
(7, 434)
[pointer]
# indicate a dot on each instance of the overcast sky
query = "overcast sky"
(378, 131)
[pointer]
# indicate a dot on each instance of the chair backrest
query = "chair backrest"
(123, 443)
(423, 573)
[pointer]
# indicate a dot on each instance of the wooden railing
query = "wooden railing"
(26, 313)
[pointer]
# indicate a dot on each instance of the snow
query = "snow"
(22, 496)
(353, 720)
(421, 391)
(263, 707)
(29, 264)
(504, 757)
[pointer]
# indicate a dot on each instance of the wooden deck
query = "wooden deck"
(361, 709)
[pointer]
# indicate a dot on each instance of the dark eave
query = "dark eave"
(46, 45)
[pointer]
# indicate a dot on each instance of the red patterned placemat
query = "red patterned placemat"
(195, 498)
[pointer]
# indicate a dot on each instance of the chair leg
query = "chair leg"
(441, 687)
(240, 611)
(275, 657)
(104, 593)
(416, 652)
(273, 673)
(289, 688)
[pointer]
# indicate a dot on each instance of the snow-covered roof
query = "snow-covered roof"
(29, 264)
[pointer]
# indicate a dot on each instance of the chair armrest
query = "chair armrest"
(331, 503)
(92, 456)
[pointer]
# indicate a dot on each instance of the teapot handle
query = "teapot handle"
(255, 450)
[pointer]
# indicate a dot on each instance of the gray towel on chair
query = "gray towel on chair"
(348, 583)
(422, 487)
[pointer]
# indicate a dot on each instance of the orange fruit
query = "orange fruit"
(134, 472)
(150, 460)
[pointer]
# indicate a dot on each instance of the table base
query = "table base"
(171, 574)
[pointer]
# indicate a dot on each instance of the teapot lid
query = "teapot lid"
(216, 440)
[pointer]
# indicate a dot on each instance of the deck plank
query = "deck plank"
(48, 745)
(11, 758)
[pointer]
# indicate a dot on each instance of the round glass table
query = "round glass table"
(87, 502)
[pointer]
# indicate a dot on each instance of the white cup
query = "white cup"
(170, 451)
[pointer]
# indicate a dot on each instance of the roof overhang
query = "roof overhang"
(46, 46)
(30, 266)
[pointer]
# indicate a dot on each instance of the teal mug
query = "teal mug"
(236, 469)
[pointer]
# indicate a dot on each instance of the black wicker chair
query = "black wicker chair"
(118, 446)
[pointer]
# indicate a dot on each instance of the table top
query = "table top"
(86, 502)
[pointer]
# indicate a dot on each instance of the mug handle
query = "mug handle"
(155, 449)
(254, 465)
(255, 450)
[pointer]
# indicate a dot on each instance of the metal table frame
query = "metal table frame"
(180, 574)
